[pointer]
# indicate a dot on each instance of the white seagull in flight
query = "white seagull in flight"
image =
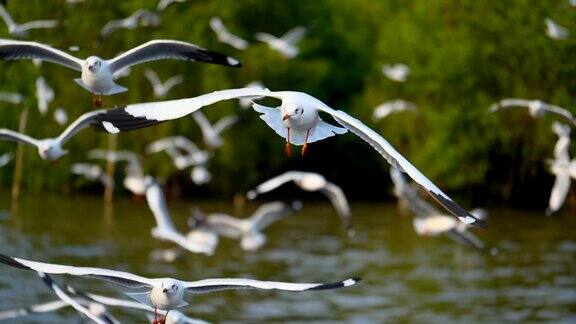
(44, 94)
(392, 106)
(536, 108)
(173, 145)
(98, 74)
(286, 44)
(160, 88)
(396, 72)
(225, 36)
(310, 181)
(21, 30)
(135, 180)
(562, 167)
(297, 120)
(167, 293)
(92, 172)
(211, 133)
(555, 31)
(141, 17)
(51, 148)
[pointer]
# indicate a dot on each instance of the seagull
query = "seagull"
(92, 172)
(21, 30)
(141, 17)
(5, 159)
(11, 97)
(555, 31)
(60, 116)
(35, 309)
(165, 229)
(312, 182)
(396, 72)
(162, 89)
(211, 133)
(285, 45)
(163, 4)
(536, 108)
(225, 36)
(173, 144)
(135, 181)
(297, 120)
(562, 167)
(385, 109)
(246, 103)
(249, 230)
(44, 93)
(51, 148)
(97, 73)
(96, 314)
(167, 293)
(429, 221)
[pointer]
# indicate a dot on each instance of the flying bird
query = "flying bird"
(248, 230)
(21, 30)
(392, 106)
(92, 172)
(555, 31)
(225, 36)
(312, 182)
(44, 94)
(60, 116)
(286, 44)
(167, 293)
(536, 108)
(161, 89)
(97, 73)
(141, 17)
(135, 180)
(11, 97)
(173, 146)
(51, 148)
(297, 120)
(396, 72)
(163, 4)
(5, 159)
(211, 133)
(562, 167)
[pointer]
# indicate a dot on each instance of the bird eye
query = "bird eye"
(174, 287)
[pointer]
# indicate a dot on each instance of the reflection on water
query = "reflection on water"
(406, 278)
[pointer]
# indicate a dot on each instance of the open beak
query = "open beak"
(286, 117)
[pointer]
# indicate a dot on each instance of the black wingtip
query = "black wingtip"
(118, 120)
(8, 260)
(339, 284)
(458, 211)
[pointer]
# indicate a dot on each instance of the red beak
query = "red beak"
(286, 117)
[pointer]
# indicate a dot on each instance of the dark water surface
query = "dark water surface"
(406, 278)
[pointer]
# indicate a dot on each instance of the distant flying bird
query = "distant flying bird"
(5, 159)
(562, 167)
(246, 103)
(286, 44)
(173, 145)
(310, 181)
(225, 36)
(60, 116)
(396, 72)
(11, 97)
(555, 31)
(135, 180)
(392, 106)
(200, 175)
(44, 94)
(141, 17)
(297, 120)
(167, 293)
(51, 148)
(162, 89)
(21, 30)
(163, 4)
(92, 172)
(536, 108)
(211, 133)
(97, 73)
(248, 230)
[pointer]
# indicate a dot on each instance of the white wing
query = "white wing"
(39, 308)
(562, 112)
(509, 103)
(10, 135)
(39, 24)
(274, 183)
(271, 212)
(208, 285)
(224, 123)
(7, 18)
(16, 50)
(294, 35)
(226, 225)
(265, 37)
(338, 199)
(157, 203)
(398, 161)
(153, 78)
(119, 277)
(79, 124)
(5, 159)
(168, 49)
(559, 192)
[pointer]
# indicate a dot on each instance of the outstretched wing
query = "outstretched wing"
(274, 183)
(79, 124)
(340, 203)
(208, 285)
(118, 277)
(169, 49)
(225, 122)
(399, 162)
(294, 35)
(271, 212)
(17, 50)
(10, 135)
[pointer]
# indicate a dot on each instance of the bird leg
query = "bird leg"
(288, 145)
(97, 101)
(305, 146)
(155, 321)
